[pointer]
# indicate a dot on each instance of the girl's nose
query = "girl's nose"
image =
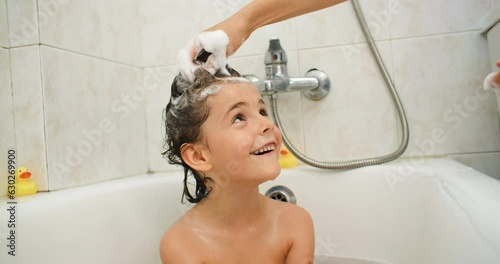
(266, 125)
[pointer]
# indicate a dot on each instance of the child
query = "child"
(218, 129)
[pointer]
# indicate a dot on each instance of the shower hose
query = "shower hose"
(399, 107)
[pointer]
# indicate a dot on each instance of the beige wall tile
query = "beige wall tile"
(357, 119)
(440, 82)
(4, 25)
(419, 18)
(7, 134)
(104, 29)
(28, 112)
(23, 22)
(338, 24)
(94, 119)
(160, 80)
(168, 27)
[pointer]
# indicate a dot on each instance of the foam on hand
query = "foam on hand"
(489, 81)
(215, 42)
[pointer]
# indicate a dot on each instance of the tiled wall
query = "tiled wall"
(28, 111)
(432, 50)
(4, 31)
(434, 53)
(87, 89)
(7, 136)
(94, 118)
(73, 91)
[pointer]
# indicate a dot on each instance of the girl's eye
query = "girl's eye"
(238, 118)
(263, 112)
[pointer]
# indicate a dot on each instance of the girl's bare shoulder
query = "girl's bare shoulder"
(175, 241)
(287, 210)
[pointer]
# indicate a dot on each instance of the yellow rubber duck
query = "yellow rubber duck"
(24, 186)
(287, 160)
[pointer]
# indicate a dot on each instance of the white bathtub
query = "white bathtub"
(437, 212)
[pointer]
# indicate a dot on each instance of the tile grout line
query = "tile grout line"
(42, 96)
(147, 154)
(298, 50)
(38, 21)
(91, 56)
(44, 123)
(301, 97)
(8, 24)
(386, 40)
(10, 81)
(474, 153)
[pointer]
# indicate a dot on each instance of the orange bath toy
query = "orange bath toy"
(287, 160)
(24, 186)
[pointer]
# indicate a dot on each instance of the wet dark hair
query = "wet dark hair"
(184, 115)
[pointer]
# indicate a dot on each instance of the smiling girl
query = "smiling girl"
(218, 129)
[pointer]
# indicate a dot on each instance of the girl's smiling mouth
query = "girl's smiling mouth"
(265, 149)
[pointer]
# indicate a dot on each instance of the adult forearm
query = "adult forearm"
(259, 13)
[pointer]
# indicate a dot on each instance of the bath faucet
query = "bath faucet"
(315, 85)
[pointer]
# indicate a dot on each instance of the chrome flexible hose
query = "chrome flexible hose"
(399, 107)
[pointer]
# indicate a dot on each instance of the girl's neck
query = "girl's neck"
(232, 205)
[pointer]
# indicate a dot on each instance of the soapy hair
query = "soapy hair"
(184, 115)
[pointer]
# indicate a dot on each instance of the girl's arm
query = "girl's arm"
(302, 231)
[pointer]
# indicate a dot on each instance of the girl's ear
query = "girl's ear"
(195, 156)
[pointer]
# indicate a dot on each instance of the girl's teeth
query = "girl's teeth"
(264, 149)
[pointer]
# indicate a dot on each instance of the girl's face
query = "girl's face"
(243, 144)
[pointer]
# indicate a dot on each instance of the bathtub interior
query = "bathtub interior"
(439, 212)
(434, 211)
(120, 221)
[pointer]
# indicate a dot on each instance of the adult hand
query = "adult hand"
(225, 38)
(236, 28)
(214, 42)
(493, 79)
